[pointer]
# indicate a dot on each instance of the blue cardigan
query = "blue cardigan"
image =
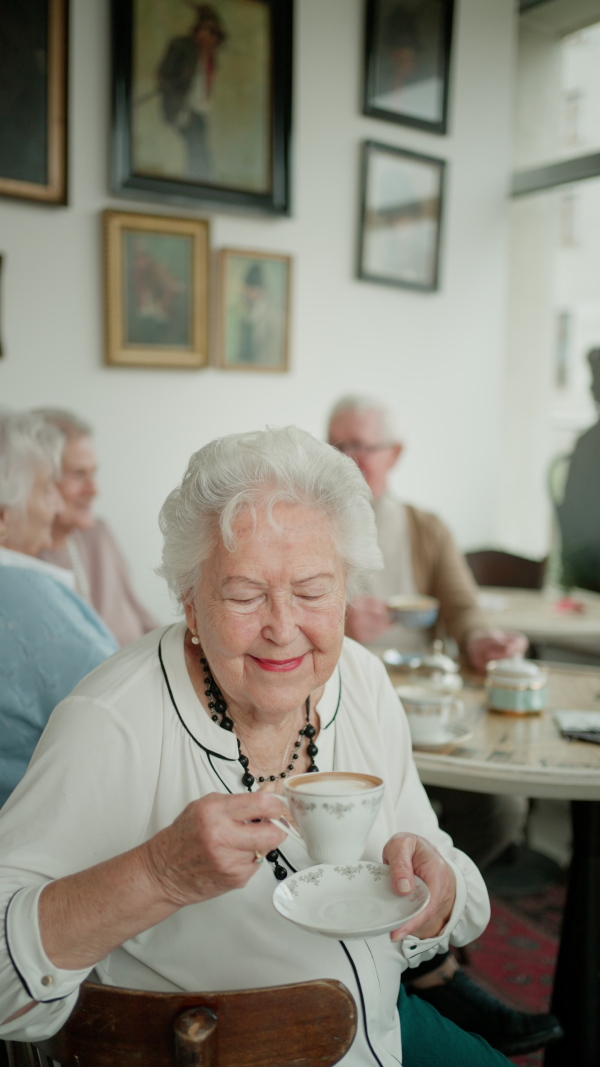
(49, 640)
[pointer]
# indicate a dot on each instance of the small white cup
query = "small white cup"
(429, 711)
(334, 812)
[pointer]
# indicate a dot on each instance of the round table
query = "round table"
(526, 755)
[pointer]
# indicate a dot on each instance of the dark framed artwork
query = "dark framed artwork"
(254, 310)
(202, 101)
(407, 61)
(156, 290)
(401, 214)
(33, 99)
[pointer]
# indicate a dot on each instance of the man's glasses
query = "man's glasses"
(355, 448)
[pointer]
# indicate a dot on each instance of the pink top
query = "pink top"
(108, 583)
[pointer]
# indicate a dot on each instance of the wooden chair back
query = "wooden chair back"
(492, 567)
(301, 1025)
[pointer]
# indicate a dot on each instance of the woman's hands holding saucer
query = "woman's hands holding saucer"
(409, 855)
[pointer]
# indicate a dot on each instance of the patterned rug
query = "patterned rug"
(516, 955)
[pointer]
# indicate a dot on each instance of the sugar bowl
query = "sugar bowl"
(516, 686)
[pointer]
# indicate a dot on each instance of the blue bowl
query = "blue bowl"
(415, 612)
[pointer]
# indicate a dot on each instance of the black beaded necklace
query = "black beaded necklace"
(218, 707)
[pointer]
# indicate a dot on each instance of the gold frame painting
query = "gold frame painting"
(33, 132)
(156, 290)
(254, 310)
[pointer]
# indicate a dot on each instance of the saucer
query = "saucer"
(349, 901)
(454, 733)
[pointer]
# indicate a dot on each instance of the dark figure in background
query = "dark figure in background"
(260, 336)
(253, 294)
(157, 309)
(409, 43)
(400, 56)
(185, 79)
(579, 513)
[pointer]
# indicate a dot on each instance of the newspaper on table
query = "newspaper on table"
(579, 725)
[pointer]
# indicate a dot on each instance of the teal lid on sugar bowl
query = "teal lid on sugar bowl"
(516, 686)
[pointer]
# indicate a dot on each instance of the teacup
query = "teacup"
(414, 611)
(429, 711)
(333, 811)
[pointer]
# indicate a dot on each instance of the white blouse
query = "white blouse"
(119, 760)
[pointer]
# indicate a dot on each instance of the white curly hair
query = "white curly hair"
(259, 470)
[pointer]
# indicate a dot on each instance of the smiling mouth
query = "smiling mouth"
(279, 664)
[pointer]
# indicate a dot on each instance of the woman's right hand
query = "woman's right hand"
(211, 847)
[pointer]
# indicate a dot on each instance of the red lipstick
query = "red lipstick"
(278, 664)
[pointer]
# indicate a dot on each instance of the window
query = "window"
(554, 261)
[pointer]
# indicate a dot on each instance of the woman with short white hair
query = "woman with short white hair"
(49, 639)
(145, 848)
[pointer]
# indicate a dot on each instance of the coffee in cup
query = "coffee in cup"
(334, 812)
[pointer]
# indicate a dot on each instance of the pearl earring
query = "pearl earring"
(195, 639)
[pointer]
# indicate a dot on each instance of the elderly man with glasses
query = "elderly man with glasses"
(419, 552)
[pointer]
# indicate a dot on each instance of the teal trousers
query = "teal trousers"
(430, 1040)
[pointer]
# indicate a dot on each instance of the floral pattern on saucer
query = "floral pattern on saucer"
(347, 901)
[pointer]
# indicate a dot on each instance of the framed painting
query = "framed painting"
(407, 61)
(401, 215)
(254, 310)
(156, 290)
(202, 101)
(33, 99)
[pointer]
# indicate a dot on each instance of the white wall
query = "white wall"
(437, 358)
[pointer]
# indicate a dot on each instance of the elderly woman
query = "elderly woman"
(85, 545)
(139, 842)
(49, 639)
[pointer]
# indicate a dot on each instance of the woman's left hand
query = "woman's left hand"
(409, 855)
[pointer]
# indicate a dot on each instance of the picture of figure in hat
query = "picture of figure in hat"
(202, 93)
(254, 310)
(185, 79)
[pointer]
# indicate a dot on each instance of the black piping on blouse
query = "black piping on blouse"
(230, 759)
(48, 1000)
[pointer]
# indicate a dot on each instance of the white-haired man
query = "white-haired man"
(419, 552)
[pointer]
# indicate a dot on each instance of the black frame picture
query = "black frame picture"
(193, 125)
(33, 99)
(401, 217)
(407, 62)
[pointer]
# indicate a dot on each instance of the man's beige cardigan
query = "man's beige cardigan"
(440, 570)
